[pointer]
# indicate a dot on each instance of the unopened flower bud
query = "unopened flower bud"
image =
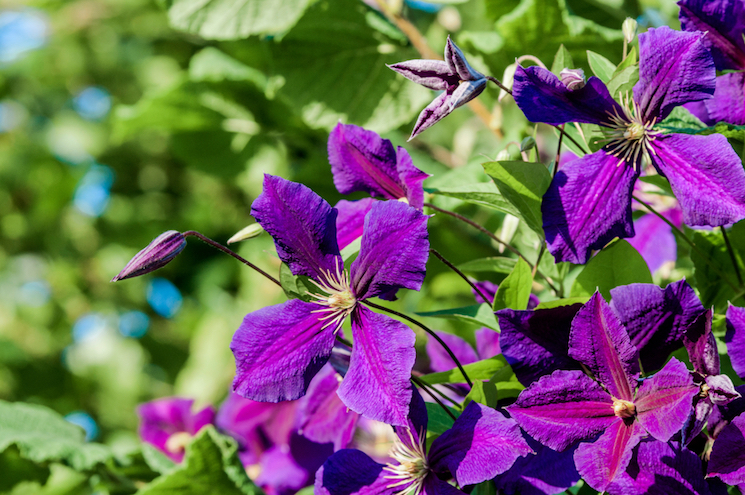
(249, 232)
(158, 253)
(629, 29)
(573, 79)
(503, 155)
(527, 144)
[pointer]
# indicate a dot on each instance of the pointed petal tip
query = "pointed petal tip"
(157, 254)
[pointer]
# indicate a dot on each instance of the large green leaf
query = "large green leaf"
(235, 19)
(601, 66)
(480, 370)
(210, 466)
(439, 421)
(522, 184)
(480, 314)
(42, 435)
(295, 287)
(562, 60)
(618, 264)
(712, 289)
(480, 193)
(514, 291)
(498, 264)
(482, 392)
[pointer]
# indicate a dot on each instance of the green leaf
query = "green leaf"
(522, 184)
(212, 65)
(617, 264)
(681, 120)
(659, 181)
(439, 421)
(295, 287)
(16, 469)
(482, 392)
(157, 460)
(562, 60)
(497, 8)
(712, 289)
(498, 264)
(630, 60)
(480, 314)
(235, 19)
(210, 465)
(514, 291)
(601, 66)
(480, 370)
(624, 81)
(506, 383)
(480, 193)
(42, 435)
(563, 302)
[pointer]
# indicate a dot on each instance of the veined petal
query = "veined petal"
(735, 338)
(697, 418)
(706, 176)
(544, 98)
(675, 67)
(728, 103)
(361, 160)
(411, 178)
(702, 346)
(394, 250)
(587, 205)
(432, 74)
(487, 343)
(481, 444)
(723, 21)
(606, 458)
(663, 401)
(351, 472)
(377, 383)
(437, 110)
(727, 460)
(351, 220)
(465, 92)
(458, 64)
(563, 408)
(302, 225)
(279, 349)
(654, 238)
(440, 360)
(546, 472)
(600, 342)
(536, 342)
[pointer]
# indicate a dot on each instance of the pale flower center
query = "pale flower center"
(177, 442)
(339, 299)
(412, 467)
(630, 137)
(623, 408)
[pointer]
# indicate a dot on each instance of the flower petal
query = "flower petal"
(162, 418)
(377, 383)
(587, 205)
(663, 401)
(606, 458)
(600, 342)
(432, 74)
(435, 486)
(675, 67)
(351, 472)
(723, 21)
(440, 360)
(278, 350)
(487, 343)
(437, 110)
(302, 225)
(394, 250)
(415, 429)
(546, 472)
(544, 98)
(654, 238)
(481, 444)
(411, 178)
(563, 408)
(706, 176)
(721, 389)
(350, 221)
(727, 459)
(735, 338)
(536, 343)
(697, 418)
(728, 103)
(458, 64)
(702, 346)
(465, 92)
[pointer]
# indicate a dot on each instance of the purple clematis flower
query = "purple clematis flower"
(280, 348)
(589, 200)
(724, 24)
(457, 80)
(169, 424)
(735, 338)
(565, 407)
(727, 461)
(481, 444)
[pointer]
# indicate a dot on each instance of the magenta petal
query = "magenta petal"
(728, 103)
(721, 389)
(162, 418)
(600, 342)
(481, 444)
(702, 346)
(653, 238)
(440, 360)
(302, 225)
(675, 67)
(723, 21)
(487, 343)
(727, 459)
(697, 418)
(411, 177)
(606, 458)
(544, 98)
(694, 164)
(243, 418)
(416, 425)
(351, 472)
(663, 401)
(278, 350)
(563, 408)
(382, 358)
(394, 250)
(350, 221)
(587, 205)
(489, 289)
(735, 338)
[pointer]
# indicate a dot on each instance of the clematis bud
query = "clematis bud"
(158, 253)
(249, 232)
(573, 79)
(503, 155)
(527, 144)
(629, 29)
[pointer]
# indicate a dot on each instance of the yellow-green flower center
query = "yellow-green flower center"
(623, 408)
(629, 136)
(177, 442)
(411, 468)
(339, 299)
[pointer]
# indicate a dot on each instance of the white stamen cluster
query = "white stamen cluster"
(339, 299)
(412, 467)
(630, 136)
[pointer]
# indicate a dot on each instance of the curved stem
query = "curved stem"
(429, 331)
(423, 387)
(499, 83)
(731, 254)
(225, 250)
(423, 384)
(460, 274)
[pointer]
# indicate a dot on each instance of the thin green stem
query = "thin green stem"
(558, 153)
(460, 274)
(434, 397)
(731, 254)
(442, 394)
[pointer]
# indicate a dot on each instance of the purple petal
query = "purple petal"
(728, 103)
(544, 98)
(563, 408)
(536, 343)
(487, 343)
(546, 472)
(279, 473)
(432, 74)
(437, 110)
(600, 342)
(465, 92)
(244, 419)
(602, 461)
(489, 289)
(656, 319)
(278, 350)
(440, 360)
(735, 339)
(663, 401)
(721, 389)
(702, 346)
(350, 472)
(587, 205)
(435, 486)
(481, 444)
(458, 64)
(694, 164)
(411, 177)
(654, 238)
(727, 459)
(722, 415)
(394, 250)
(162, 418)
(697, 418)
(350, 221)
(415, 429)
(377, 383)
(723, 21)
(675, 67)
(157, 254)
(302, 225)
